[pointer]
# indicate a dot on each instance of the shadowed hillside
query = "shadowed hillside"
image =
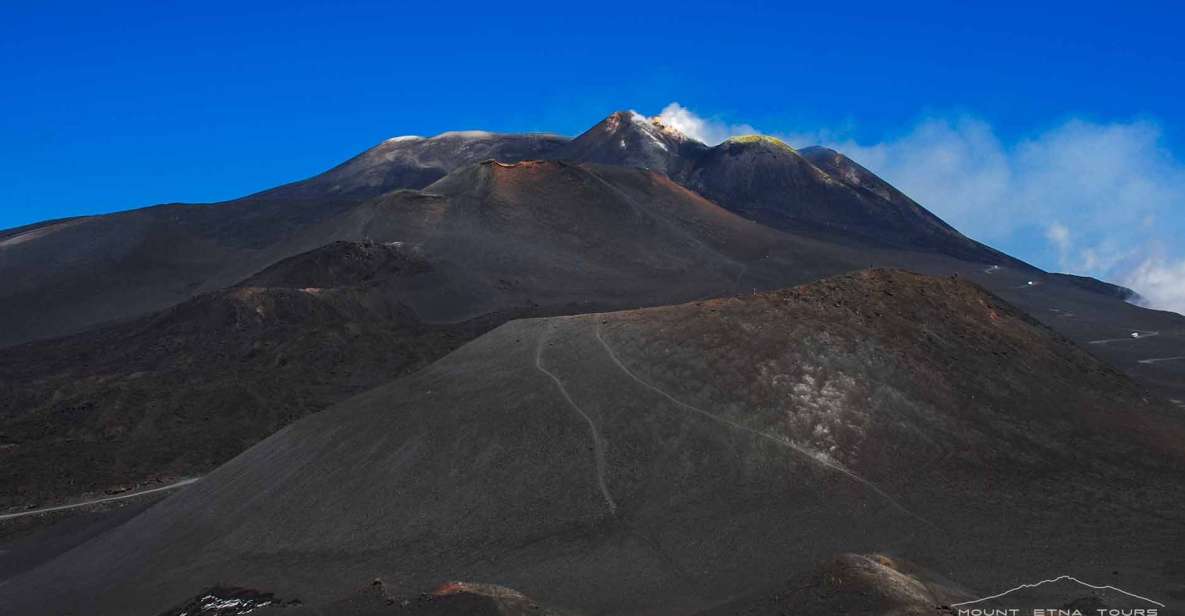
(666, 459)
(180, 392)
(183, 390)
(281, 313)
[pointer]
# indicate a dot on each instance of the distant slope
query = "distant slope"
(65, 276)
(415, 162)
(848, 171)
(181, 391)
(184, 389)
(817, 192)
(766, 180)
(665, 460)
(1098, 286)
(551, 233)
(343, 264)
(917, 224)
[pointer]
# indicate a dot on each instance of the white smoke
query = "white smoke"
(704, 130)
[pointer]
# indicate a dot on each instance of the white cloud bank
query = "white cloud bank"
(1099, 199)
(1161, 282)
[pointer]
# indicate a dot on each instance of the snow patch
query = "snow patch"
(466, 134)
(649, 128)
(404, 138)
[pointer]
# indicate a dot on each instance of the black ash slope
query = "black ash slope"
(743, 441)
(362, 283)
(66, 276)
(178, 392)
(488, 242)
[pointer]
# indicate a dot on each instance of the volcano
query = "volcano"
(423, 244)
(622, 373)
(489, 242)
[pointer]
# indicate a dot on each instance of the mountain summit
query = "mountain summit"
(630, 139)
(765, 179)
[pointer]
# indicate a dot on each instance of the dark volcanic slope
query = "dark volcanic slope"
(543, 233)
(64, 276)
(179, 392)
(766, 180)
(763, 179)
(850, 172)
(415, 162)
(182, 390)
(663, 460)
(214, 368)
(343, 264)
(67, 276)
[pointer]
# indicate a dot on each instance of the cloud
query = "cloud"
(1160, 282)
(701, 129)
(1099, 199)
(1104, 197)
(1059, 235)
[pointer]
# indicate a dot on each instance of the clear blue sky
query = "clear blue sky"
(109, 106)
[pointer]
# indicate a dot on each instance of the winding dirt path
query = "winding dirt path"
(171, 486)
(598, 444)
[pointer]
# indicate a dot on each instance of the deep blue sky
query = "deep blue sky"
(109, 106)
